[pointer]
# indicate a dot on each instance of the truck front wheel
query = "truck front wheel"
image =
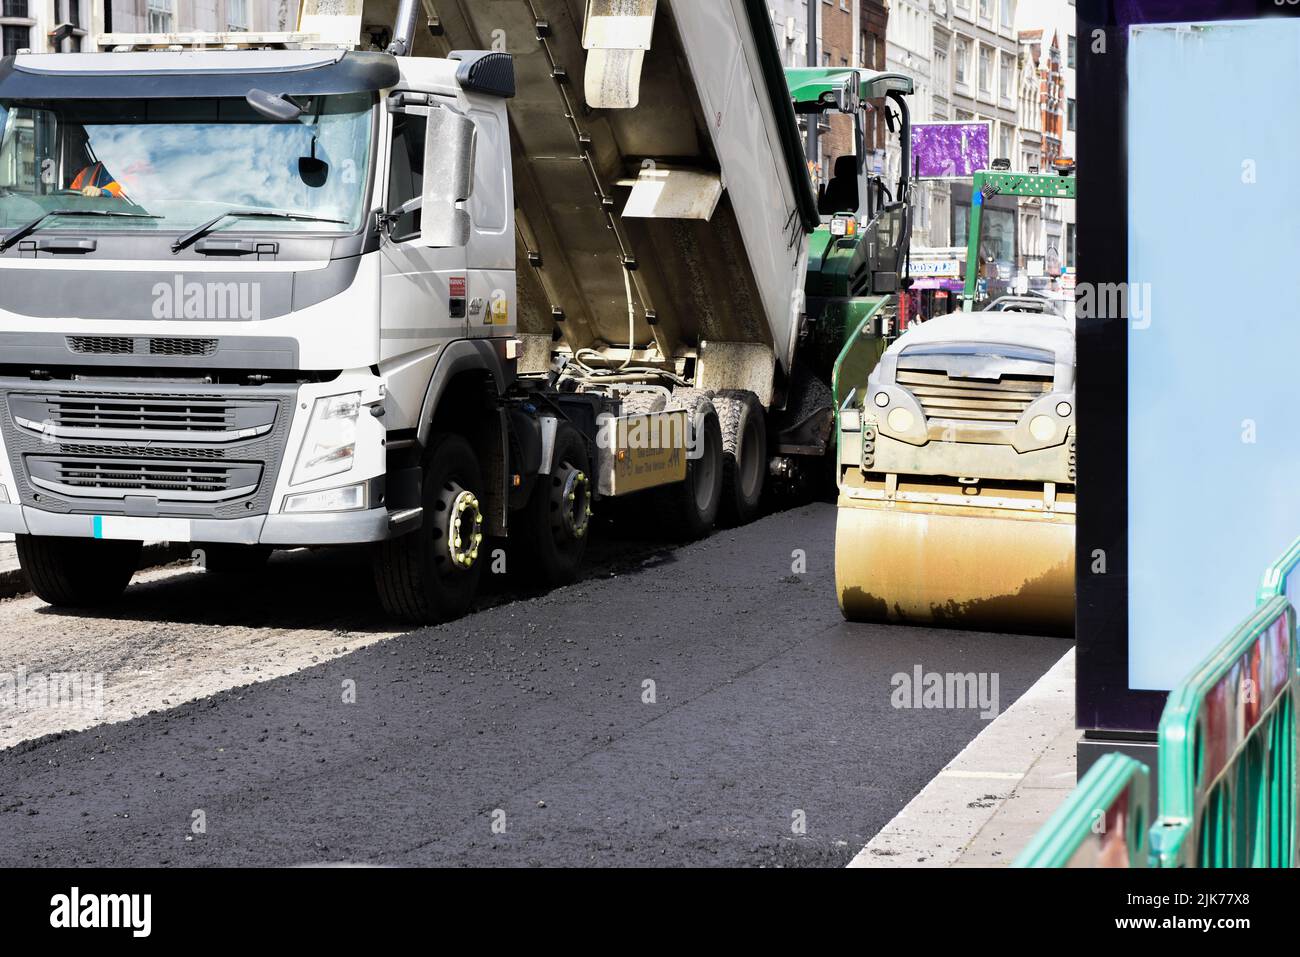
(432, 574)
(553, 526)
(77, 572)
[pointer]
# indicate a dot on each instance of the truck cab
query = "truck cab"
(228, 279)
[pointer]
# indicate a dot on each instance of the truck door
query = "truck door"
(425, 286)
(492, 240)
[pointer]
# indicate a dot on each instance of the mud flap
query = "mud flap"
(617, 34)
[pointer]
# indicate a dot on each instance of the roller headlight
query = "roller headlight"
(1042, 428)
(901, 420)
(330, 444)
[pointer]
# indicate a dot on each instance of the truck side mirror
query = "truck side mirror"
(449, 146)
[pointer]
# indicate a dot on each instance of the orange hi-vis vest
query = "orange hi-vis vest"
(96, 175)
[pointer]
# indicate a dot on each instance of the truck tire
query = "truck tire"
(554, 525)
(643, 403)
(688, 510)
(77, 572)
(221, 558)
(744, 455)
(432, 574)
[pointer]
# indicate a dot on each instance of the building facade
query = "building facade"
(873, 46)
(1010, 64)
(910, 52)
(43, 26)
(985, 55)
(1054, 22)
(205, 16)
(840, 29)
(1029, 155)
(68, 26)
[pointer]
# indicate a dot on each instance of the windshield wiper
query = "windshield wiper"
(198, 232)
(35, 224)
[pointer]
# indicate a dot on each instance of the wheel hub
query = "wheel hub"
(574, 494)
(464, 528)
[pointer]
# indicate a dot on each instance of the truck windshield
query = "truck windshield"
(183, 162)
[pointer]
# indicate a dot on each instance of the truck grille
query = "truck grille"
(198, 481)
(974, 400)
(182, 347)
(157, 417)
(101, 345)
(134, 448)
(128, 345)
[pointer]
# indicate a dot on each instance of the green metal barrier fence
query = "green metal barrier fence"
(1227, 752)
(1102, 824)
(1227, 756)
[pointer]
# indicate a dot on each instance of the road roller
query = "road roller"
(957, 477)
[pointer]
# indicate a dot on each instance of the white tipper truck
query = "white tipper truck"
(263, 292)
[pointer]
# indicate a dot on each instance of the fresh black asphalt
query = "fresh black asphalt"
(523, 735)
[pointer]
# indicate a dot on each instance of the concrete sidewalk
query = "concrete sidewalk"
(982, 809)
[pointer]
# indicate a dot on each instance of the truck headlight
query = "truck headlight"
(350, 498)
(330, 444)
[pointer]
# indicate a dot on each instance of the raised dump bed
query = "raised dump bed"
(691, 171)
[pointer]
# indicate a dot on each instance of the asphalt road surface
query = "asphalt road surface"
(698, 706)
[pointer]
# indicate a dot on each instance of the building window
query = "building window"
(986, 70)
(14, 8)
(1071, 244)
(986, 9)
(160, 16)
(963, 56)
(1071, 51)
(237, 15)
(1008, 13)
(1069, 113)
(15, 39)
(1004, 77)
(1004, 141)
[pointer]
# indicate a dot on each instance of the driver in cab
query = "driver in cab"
(96, 180)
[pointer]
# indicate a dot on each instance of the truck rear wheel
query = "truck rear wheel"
(553, 526)
(77, 572)
(744, 455)
(432, 574)
(688, 510)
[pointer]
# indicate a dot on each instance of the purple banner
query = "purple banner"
(950, 150)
